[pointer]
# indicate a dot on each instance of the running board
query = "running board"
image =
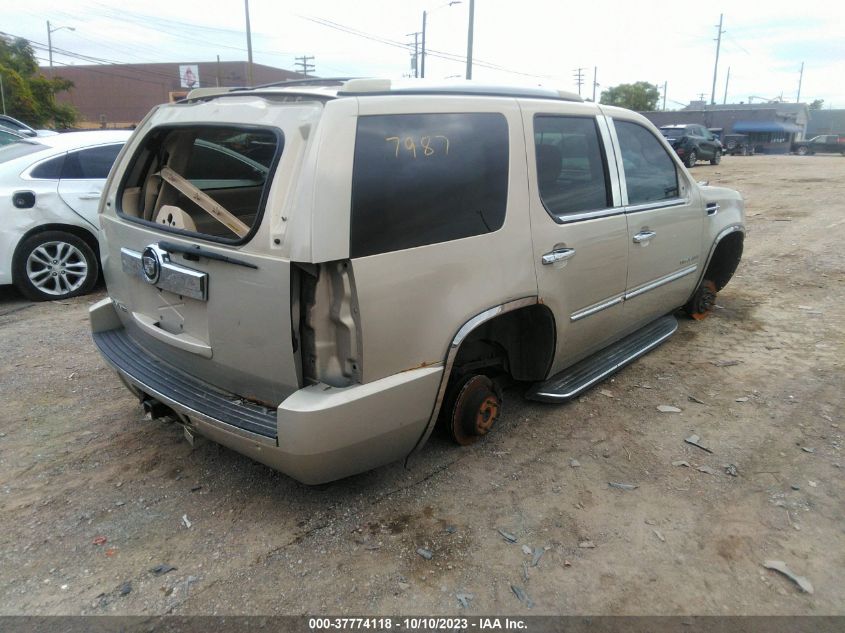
(573, 380)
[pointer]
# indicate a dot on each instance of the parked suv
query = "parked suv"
(693, 143)
(372, 257)
(830, 143)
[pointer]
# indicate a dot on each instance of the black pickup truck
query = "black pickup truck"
(831, 143)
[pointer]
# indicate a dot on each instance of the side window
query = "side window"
(421, 179)
(571, 172)
(49, 169)
(90, 163)
(650, 173)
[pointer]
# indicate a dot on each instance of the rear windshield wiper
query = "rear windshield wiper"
(194, 252)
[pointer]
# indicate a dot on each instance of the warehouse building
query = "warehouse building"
(120, 95)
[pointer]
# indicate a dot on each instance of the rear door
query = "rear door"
(578, 225)
(193, 240)
(83, 175)
(665, 222)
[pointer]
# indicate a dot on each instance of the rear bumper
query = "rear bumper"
(318, 434)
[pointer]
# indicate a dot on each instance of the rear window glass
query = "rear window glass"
(90, 164)
(673, 132)
(426, 178)
(206, 180)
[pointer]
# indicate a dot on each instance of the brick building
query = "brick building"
(120, 95)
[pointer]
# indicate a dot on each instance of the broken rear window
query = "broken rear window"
(205, 180)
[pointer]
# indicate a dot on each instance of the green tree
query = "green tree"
(641, 96)
(817, 104)
(29, 95)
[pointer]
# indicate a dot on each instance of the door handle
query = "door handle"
(643, 236)
(558, 255)
(91, 195)
(713, 208)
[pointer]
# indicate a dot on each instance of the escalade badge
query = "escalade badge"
(150, 265)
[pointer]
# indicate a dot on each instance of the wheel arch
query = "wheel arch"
(524, 329)
(82, 233)
(724, 256)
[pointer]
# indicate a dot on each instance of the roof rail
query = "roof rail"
(308, 81)
(372, 87)
(204, 93)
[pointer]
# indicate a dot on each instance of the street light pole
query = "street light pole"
(422, 54)
(50, 31)
(248, 45)
(469, 38)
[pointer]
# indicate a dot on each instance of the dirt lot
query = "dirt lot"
(78, 462)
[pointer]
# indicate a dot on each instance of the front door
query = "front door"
(665, 221)
(578, 226)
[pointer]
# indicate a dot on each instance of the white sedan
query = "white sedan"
(50, 188)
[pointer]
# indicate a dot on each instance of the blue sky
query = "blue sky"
(531, 41)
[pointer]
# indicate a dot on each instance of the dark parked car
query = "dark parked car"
(831, 143)
(738, 144)
(693, 143)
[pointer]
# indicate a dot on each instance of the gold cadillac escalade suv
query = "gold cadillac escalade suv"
(314, 273)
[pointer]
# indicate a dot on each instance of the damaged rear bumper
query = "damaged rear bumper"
(318, 434)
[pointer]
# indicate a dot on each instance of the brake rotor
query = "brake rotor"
(476, 409)
(703, 301)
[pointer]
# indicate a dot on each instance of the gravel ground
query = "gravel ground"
(93, 496)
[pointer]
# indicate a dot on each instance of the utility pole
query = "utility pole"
(218, 71)
(595, 81)
(249, 76)
(422, 55)
(50, 31)
(716, 65)
(665, 86)
(469, 38)
(727, 80)
(303, 63)
(579, 78)
(416, 55)
(800, 79)
(2, 93)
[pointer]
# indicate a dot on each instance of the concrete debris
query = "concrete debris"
(125, 588)
(658, 534)
(464, 599)
(522, 596)
(587, 545)
(538, 554)
(696, 441)
(779, 566)
(164, 568)
(666, 408)
(807, 449)
(696, 400)
(681, 462)
(510, 538)
(425, 553)
(743, 399)
(527, 550)
(621, 486)
(730, 469)
(186, 521)
(708, 470)
(574, 463)
(725, 363)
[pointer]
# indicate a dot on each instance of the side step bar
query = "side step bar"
(572, 381)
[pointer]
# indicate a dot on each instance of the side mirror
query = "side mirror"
(23, 199)
(703, 183)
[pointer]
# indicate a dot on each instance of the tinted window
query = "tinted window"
(50, 169)
(673, 132)
(425, 178)
(90, 163)
(571, 173)
(650, 173)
